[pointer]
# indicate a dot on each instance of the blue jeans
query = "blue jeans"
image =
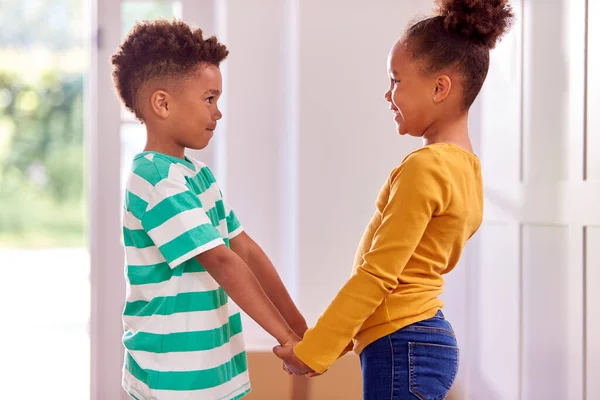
(418, 362)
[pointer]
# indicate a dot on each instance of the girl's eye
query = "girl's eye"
(210, 100)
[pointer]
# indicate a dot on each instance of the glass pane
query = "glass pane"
(136, 11)
(133, 140)
(44, 261)
(133, 136)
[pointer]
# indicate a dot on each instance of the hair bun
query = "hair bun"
(483, 21)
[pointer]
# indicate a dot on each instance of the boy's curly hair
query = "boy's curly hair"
(157, 50)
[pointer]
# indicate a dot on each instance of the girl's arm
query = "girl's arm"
(417, 190)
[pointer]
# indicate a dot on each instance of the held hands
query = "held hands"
(291, 363)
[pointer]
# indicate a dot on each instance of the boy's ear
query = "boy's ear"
(159, 101)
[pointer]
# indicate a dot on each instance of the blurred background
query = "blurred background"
(305, 120)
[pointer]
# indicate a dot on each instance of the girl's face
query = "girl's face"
(412, 93)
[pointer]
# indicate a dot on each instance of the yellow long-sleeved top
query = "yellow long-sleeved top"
(426, 211)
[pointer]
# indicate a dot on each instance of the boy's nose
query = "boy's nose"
(388, 96)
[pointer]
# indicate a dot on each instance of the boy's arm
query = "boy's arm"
(234, 276)
(269, 279)
(175, 220)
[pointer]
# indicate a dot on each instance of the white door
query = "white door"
(528, 314)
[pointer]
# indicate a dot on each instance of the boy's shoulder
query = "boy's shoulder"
(155, 167)
(151, 167)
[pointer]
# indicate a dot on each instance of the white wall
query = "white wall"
(306, 122)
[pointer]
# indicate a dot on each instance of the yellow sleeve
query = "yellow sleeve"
(418, 190)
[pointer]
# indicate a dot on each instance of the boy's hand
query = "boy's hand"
(291, 340)
(299, 328)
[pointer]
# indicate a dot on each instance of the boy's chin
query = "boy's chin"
(198, 146)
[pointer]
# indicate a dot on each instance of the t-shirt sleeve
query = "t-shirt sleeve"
(177, 223)
(234, 226)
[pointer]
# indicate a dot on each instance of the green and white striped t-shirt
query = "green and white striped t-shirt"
(183, 336)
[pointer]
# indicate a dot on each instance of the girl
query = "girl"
(431, 204)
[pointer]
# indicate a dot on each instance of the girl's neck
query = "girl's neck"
(454, 131)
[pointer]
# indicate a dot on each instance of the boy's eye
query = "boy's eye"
(395, 81)
(210, 100)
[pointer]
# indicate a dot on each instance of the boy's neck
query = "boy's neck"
(162, 144)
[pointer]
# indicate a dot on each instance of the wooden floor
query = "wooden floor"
(270, 382)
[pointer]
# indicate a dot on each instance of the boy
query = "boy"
(186, 251)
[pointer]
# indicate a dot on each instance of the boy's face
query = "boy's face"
(194, 113)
